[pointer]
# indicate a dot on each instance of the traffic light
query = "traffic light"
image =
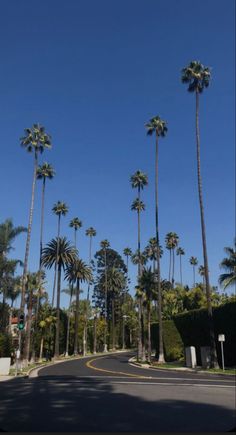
(21, 321)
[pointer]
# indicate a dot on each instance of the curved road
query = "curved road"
(107, 394)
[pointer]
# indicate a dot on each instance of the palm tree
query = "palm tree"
(8, 233)
(180, 252)
(59, 209)
(58, 252)
(36, 141)
(138, 206)
(147, 285)
(76, 272)
(158, 127)
(172, 240)
(197, 76)
(201, 272)
(90, 232)
(229, 264)
(44, 172)
(75, 223)
(127, 253)
(194, 262)
(115, 283)
(71, 292)
(104, 244)
(151, 251)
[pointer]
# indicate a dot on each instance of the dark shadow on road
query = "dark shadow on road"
(72, 405)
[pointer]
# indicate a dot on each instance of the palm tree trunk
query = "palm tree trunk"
(75, 238)
(42, 224)
(57, 344)
(180, 265)
(149, 332)
(105, 330)
(161, 358)
(68, 323)
(28, 329)
(173, 271)
(55, 271)
(214, 362)
(113, 324)
(95, 335)
(77, 318)
(41, 348)
(22, 304)
(194, 283)
(170, 266)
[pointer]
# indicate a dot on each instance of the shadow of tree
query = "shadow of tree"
(70, 404)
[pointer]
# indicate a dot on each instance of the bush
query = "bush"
(192, 329)
(6, 346)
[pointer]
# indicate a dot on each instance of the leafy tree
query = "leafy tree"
(36, 140)
(59, 209)
(229, 264)
(60, 252)
(197, 76)
(158, 127)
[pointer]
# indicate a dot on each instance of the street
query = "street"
(107, 394)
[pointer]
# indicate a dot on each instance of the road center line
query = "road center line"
(89, 365)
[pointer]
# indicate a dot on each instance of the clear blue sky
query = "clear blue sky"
(93, 72)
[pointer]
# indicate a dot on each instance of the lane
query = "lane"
(116, 365)
(76, 397)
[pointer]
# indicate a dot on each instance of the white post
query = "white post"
(222, 355)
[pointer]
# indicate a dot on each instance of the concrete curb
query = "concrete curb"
(181, 369)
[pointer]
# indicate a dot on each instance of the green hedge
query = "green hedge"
(5, 345)
(191, 329)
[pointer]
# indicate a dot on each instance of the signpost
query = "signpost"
(221, 338)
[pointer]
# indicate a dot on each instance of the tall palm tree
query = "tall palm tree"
(104, 244)
(172, 240)
(36, 140)
(139, 206)
(194, 262)
(127, 253)
(229, 264)
(59, 209)
(58, 252)
(151, 251)
(197, 76)
(90, 232)
(201, 272)
(147, 285)
(76, 272)
(115, 283)
(44, 172)
(158, 127)
(75, 223)
(180, 252)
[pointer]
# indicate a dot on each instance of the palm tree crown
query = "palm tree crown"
(193, 261)
(172, 240)
(229, 264)
(75, 223)
(157, 125)
(197, 76)
(78, 270)
(91, 232)
(36, 139)
(45, 171)
(180, 251)
(127, 252)
(138, 205)
(60, 208)
(63, 256)
(138, 180)
(104, 244)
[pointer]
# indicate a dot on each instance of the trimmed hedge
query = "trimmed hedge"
(191, 329)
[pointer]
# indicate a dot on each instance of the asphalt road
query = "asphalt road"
(106, 394)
